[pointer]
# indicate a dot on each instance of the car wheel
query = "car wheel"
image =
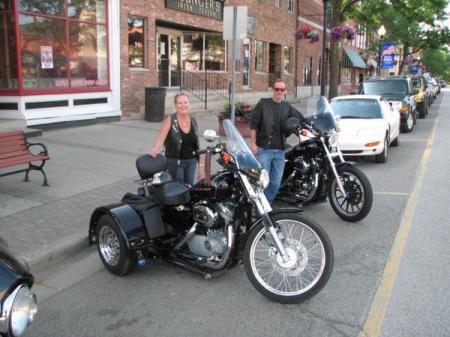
(383, 156)
(409, 126)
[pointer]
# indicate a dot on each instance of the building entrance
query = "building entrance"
(169, 59)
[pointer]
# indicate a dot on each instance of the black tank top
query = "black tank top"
(188, 145)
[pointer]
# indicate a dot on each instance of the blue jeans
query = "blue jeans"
(183, 170)
(273, 162)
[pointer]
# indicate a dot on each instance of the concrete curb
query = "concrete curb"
(57, 251)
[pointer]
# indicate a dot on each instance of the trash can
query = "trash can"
(155, 98)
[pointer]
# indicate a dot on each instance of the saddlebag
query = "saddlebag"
(148, 209)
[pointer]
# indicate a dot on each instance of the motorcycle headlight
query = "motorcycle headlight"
(23, 310)
(264, 179)
(333, 139)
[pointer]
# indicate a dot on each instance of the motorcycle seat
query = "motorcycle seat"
(172, 193)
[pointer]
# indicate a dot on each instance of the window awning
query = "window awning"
(372, 63)
(352, 59)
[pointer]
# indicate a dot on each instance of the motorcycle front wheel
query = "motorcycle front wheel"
(358, 202)
(309, 265)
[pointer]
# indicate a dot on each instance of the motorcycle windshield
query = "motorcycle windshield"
(244, 157)
(321, 114)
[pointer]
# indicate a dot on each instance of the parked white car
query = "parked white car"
(368, 125)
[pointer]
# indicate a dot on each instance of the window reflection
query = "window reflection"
(44, 62)
(136, 42)
(8, 61)
(259, 55)
(87, 10)
(215, 52)
(5, 5)
(50, 7)
(193, 51)
(88, 55)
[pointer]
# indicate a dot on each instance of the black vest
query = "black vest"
(173, 141)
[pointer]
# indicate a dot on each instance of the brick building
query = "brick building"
(100, 55)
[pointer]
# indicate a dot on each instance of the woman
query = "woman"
(179, 133)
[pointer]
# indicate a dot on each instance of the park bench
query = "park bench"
(15, 151)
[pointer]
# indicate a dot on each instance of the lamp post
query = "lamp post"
(381, 31)
(324, 47)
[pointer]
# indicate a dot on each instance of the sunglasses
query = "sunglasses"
(279, 89)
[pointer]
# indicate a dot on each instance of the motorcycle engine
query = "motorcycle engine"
(215, 217)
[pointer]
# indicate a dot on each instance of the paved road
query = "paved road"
(80, 298)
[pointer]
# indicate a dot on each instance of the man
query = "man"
(268, 137)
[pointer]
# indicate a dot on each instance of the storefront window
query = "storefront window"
(307, 71)
(88, 55)
(47, 7)
(136, 42)
(87, 10)
(44, 58)
(8, 55)
(259, 55)
(67, 50)
(287, 58)
(192, 51)
(215, 52)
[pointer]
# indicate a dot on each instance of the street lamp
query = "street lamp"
(381, 32)
(324, 47)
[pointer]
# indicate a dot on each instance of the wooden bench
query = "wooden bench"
(15, 150)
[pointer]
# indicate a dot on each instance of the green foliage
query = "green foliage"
(437, 62)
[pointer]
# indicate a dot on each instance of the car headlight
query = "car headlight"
(264, 179)
(19, 310)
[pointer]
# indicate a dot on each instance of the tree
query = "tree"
(437, 62)
(413, 24)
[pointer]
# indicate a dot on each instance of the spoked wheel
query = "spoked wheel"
(112, 248)
(358, 202)
(307, 269)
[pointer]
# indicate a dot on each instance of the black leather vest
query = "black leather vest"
(173, 140)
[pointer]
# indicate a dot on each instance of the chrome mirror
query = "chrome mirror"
(210, 135)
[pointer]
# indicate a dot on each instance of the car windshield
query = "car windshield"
(357, 108)
(415, 83)
(385, 87)
(244, 157)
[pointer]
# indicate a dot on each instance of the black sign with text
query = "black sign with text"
(209, 8)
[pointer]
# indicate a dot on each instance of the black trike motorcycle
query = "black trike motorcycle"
(17, 302)
(208, 227)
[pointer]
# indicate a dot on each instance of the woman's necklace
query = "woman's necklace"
(184, 124)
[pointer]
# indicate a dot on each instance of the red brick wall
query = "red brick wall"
(273, 25)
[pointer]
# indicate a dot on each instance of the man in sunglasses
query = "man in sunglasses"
(268, 135)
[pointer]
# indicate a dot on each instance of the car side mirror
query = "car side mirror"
(210, 135)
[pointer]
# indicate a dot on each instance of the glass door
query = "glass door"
(169, 59)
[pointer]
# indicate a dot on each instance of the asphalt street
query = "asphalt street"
(390, 276)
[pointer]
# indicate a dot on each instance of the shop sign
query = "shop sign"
(209, 8)
(46, 57)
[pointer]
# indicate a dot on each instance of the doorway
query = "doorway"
(274, 63)
(169, 59)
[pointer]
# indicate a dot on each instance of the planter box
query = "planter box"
(242, 125)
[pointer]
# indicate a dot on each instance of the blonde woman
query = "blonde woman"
(179, 133)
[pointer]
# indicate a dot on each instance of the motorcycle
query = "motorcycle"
(208, 227)
(17, 303)
(315, 168)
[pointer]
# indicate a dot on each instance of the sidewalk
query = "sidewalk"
(89, 166)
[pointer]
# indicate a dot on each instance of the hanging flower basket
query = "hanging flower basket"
(344, 32)
(307, 33)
